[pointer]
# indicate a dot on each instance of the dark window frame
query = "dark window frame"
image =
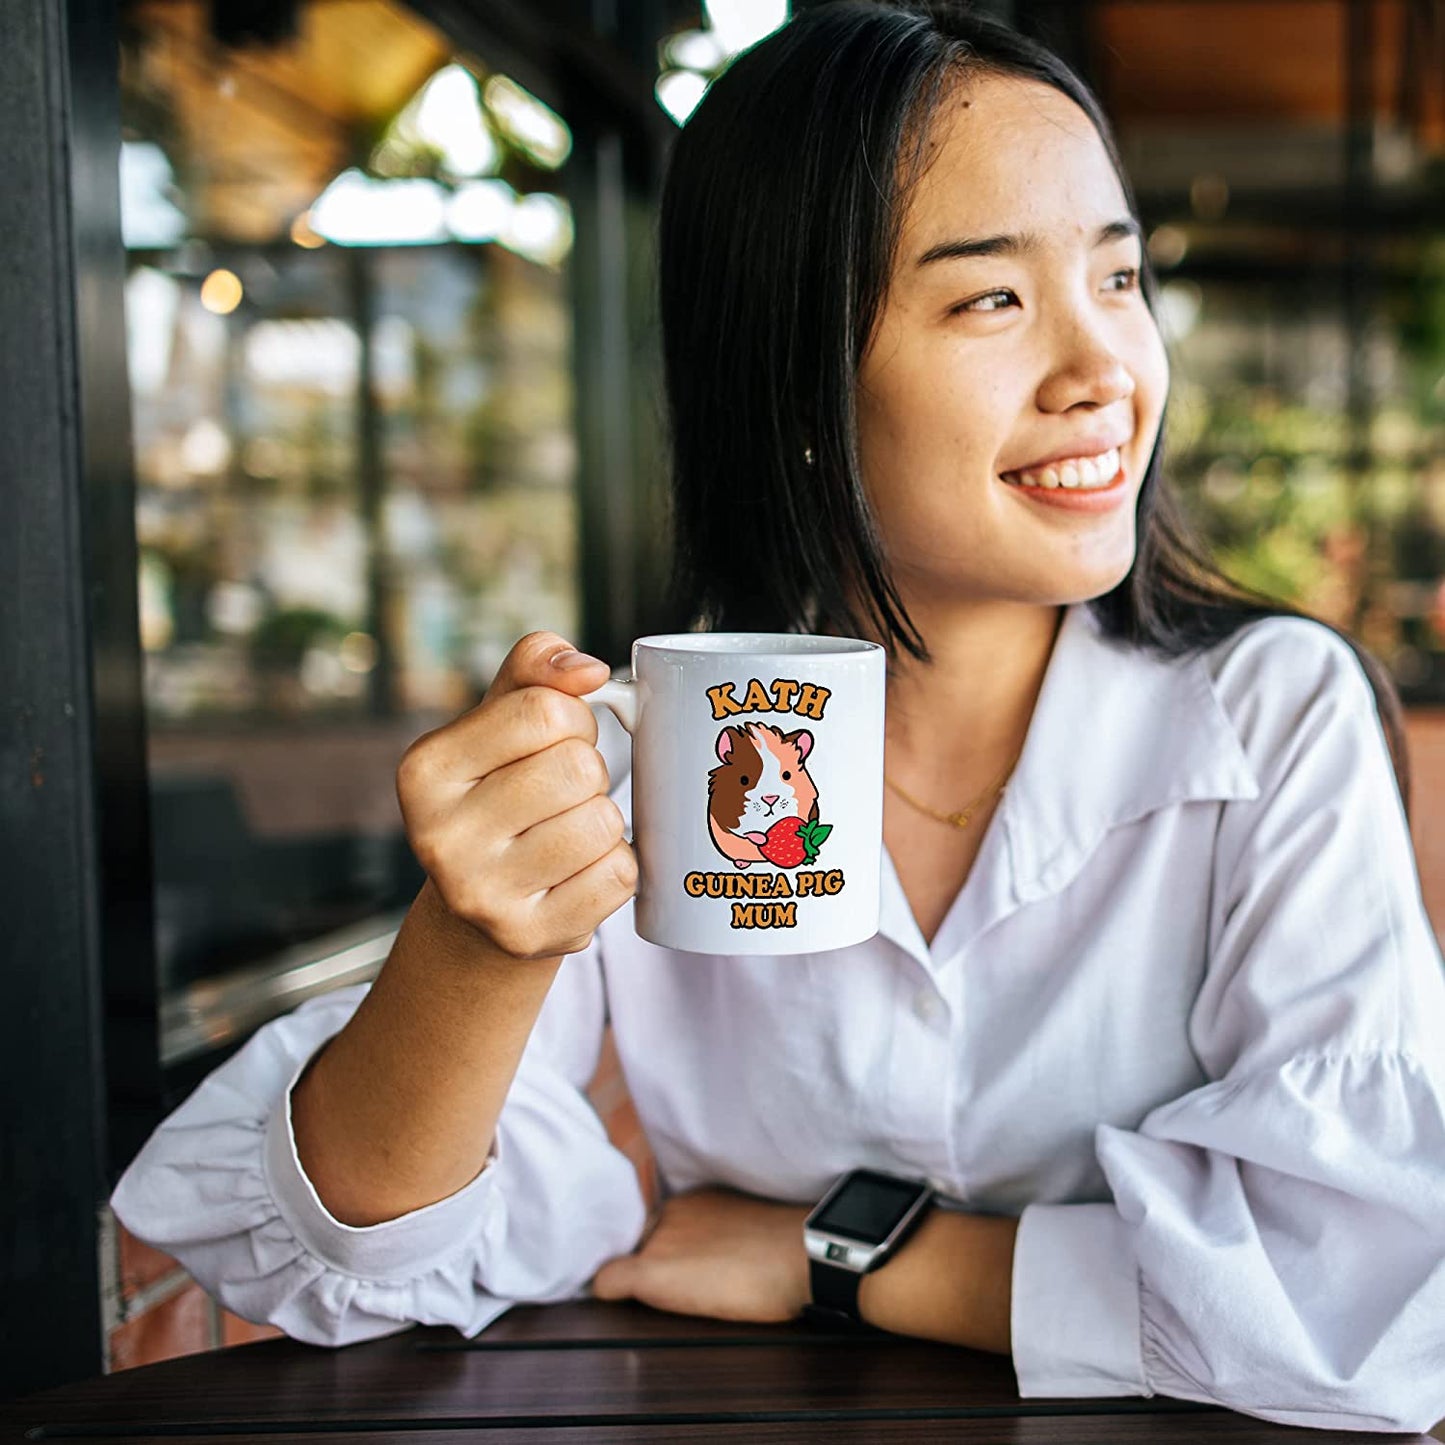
(86, 1080)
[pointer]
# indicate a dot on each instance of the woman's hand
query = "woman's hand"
(717, 1253)
(507, 808)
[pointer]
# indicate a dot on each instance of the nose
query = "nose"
(1090, 367)
(770, 797)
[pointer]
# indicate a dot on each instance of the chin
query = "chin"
(1078, 587)
(1091, 576)
(1098, 586)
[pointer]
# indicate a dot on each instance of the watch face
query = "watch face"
(867, 1208)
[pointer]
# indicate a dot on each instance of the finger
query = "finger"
(532, 702)
(574, 908)
(613, 1280)
(538, 787)
(553, 850)
(534, 661)
(494, 830)
(439, 769)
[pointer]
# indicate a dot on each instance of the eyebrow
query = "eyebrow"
(1026, 243)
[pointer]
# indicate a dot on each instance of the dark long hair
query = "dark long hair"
(779, 224)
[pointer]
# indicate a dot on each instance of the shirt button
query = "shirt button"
(926, 1005)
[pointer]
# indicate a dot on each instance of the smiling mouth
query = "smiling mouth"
(1081, 474)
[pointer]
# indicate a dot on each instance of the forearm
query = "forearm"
(951, 1281)
(399, 1109)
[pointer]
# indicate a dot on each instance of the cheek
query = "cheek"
(927, 442)
(1150, 366)
(929, 409)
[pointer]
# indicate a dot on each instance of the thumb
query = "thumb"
(548, 659)
(613, 1280)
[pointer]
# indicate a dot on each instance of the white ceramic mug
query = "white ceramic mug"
(757, 788)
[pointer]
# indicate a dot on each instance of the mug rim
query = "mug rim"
(757, 644)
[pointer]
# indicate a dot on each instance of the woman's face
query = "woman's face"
(983, 364)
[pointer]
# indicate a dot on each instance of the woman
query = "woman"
(1160, 1019)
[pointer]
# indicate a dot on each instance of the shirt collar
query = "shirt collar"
(1117, 732)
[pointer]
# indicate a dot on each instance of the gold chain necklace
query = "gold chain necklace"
(959, 819)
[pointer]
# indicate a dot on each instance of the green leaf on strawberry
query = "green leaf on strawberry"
(791, 841)
(811, 835)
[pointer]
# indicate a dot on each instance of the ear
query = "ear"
(725, 744)
(802, 740)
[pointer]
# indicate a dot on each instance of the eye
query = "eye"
(1131, 273)
(786, 776)
(987, 296)
(745, 780)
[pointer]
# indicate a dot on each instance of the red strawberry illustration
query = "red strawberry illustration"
(791, 841)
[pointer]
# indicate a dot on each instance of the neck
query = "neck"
(957, 722)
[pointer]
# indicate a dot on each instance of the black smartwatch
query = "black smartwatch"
(858, 1224)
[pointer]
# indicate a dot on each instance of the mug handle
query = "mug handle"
(619, 696)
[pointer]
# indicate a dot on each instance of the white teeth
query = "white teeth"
(1079, 474)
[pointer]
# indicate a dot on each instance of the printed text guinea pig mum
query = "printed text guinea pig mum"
(763, 885)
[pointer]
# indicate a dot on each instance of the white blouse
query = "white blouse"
(1185, 1020)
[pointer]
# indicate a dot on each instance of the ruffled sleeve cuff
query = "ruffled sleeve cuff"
(1075, 1304)
(395, 1249)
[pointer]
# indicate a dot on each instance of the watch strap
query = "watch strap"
(833, 1322)
(835, 1290)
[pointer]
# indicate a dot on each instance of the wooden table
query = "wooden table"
(591, 1373)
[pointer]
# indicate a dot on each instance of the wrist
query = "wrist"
(802, 1266)
(854, 1231)
(951, 1281)
(448, 939)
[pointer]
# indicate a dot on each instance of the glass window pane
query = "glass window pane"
(350, 360)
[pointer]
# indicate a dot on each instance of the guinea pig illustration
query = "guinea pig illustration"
(762, 778)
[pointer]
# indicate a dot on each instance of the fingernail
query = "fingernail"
(572, 658)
